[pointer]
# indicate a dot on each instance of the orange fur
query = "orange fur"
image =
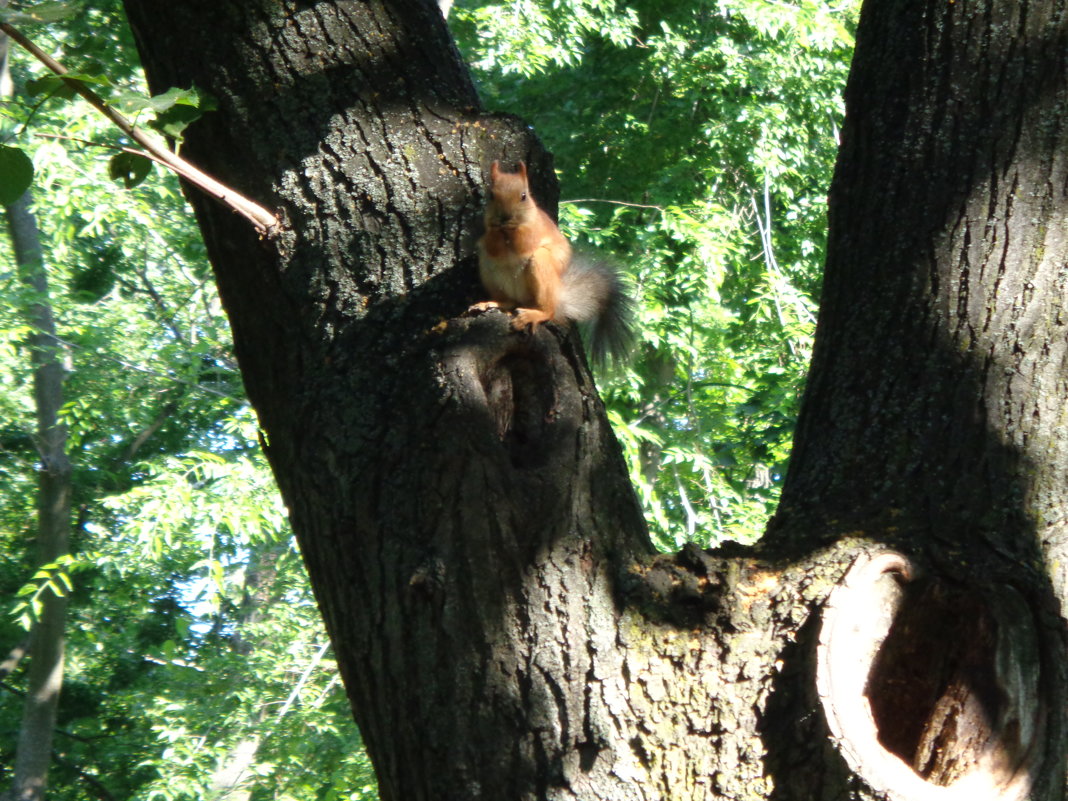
(522, 255)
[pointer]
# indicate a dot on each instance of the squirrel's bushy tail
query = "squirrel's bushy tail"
(595, 293)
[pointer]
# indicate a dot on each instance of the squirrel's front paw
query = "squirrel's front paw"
(528, 319)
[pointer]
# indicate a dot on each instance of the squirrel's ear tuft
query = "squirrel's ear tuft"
(523, 169)
(495, 170)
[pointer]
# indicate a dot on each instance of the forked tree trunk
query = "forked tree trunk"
(502, 626)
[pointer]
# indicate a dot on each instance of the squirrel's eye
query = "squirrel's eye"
(522, 196)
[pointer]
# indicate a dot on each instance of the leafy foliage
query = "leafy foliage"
(196, 656)
(694, 140)
(38, 13)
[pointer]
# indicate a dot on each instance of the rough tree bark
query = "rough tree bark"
(502, 625)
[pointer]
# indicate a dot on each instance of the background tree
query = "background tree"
(45, 676)
(502, 625)
(171, 669)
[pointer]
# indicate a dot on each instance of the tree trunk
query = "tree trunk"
(45, 674)
(502, 626)
(933, 420)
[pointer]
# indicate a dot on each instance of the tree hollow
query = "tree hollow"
(932, 690)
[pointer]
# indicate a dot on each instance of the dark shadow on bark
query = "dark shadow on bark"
(800, 753)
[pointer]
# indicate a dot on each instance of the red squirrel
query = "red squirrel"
(526, 264)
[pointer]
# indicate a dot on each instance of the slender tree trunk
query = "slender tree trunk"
(45, 673)
(501, 624)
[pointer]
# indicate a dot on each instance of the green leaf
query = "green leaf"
(42, 12)
(183, 625)
(175, 109)
(175, 120)
(175, 96)
(59, 86)
(129, 168)
(49, 85)
(16, 174)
